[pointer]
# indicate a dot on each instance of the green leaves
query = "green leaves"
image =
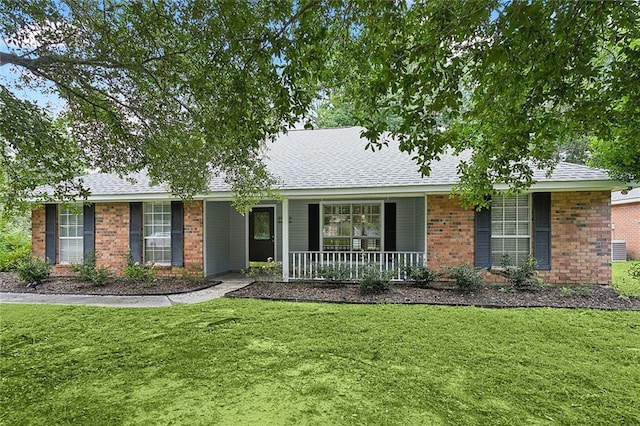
(188, 91)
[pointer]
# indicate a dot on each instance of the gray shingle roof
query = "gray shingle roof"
(337, 159)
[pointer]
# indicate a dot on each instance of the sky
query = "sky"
(10, 78)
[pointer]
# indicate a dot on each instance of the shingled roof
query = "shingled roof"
(337, 159)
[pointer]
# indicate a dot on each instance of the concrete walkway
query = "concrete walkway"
(230, 282)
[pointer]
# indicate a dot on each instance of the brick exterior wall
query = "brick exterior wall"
(580, 238)
(626, 221)
(112, 235)
(112, 239)
(580, 241)
(450, 232)
(37, 233)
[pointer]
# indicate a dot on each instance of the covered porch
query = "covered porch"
(310, 236)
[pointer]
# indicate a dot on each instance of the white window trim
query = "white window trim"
(529, 235)
(145, 206)
(351, 202)
(68, 211)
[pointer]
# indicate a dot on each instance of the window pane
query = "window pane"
(261, 226)
(510, 228)
(157, 232)
(344, 225)
(71, 235)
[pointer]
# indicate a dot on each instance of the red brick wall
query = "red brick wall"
(112, 239)
(626, 221)
(112, 235)
(193, 235)
(37, 232)
(450, 232)
(580, 241)
(580, 238)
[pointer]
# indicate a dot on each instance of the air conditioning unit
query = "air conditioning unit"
(618, 250)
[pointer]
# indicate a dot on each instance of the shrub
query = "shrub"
(634, 270)
(88, 271)
(421, 275)
(577, 290)
(336, 273)
(373, 280)
(266, 271)
(34, 270)
(139, 272)
(15, 249)
(467, 278)
(520, 277)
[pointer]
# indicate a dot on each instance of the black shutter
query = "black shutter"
(50, 214)
(135, 231)
(483, 238)
(314, 227)
(389, 226)
(542, 229)
(89, 224)
(177, 239)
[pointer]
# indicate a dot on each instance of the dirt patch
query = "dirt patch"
(113, 286)
(597, 297)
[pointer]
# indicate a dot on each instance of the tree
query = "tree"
(185, 90)
(511, 78)
(188, 90)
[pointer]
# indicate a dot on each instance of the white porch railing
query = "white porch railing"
(308, 265)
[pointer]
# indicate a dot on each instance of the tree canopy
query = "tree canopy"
(188, 90)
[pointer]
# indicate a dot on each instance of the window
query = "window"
(157, 232)
(351, 227)
(510, 228)
(71, 226)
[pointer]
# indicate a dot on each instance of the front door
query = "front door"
(261, 234)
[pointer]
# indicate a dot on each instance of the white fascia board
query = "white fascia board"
(131, 198)
(629, 201)
(385, 191)
(568, 186)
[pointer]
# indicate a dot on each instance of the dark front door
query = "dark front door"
(261, 234)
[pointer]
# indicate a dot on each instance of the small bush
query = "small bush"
(634, 270)
(139, 272)
(88, 271)
(373, 280)
(421, 275)
(15, 249)
(521, 277)
(266, 271)
(34, 270)
(467, 278)
(577, 290)
(335, 274)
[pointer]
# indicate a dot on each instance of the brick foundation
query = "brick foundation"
(626, 221)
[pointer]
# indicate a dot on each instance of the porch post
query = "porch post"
(285, 240)
(426, 230)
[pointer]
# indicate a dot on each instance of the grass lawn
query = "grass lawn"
(625, 284)
(238, 362)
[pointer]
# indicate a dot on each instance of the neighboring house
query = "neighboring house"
(625, 220)
(340, 203)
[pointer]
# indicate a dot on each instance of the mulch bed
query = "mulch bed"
(113, 286)
(595, 297)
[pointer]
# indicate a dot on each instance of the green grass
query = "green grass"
(233, 362)
(625, 283)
